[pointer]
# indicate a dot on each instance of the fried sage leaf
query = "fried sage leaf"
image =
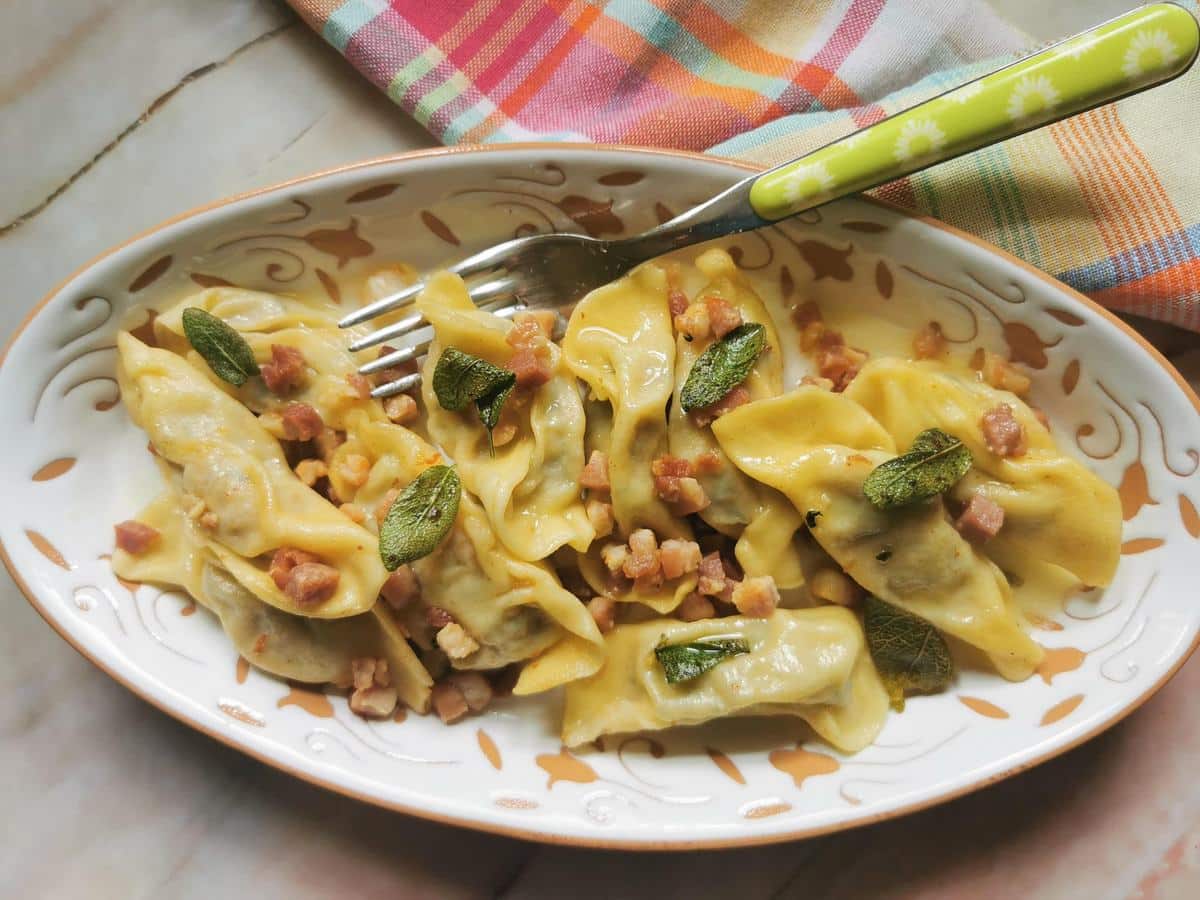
(723, 366)
(225, 351)
(420, 517)
(909, 653)
(460, 378)
(683, 662)
(934, 463)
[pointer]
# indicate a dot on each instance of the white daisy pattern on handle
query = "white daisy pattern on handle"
(1033, 94)
(806, 182)
(919, 137)
(1149, 50)
(1077, 46)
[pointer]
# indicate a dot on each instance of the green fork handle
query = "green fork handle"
(1135, 51)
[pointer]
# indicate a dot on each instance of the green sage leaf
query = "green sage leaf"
(225, 351)
(683, 662)
(910, 655)
(934, 463)
(460, 378)
(420, 517)
(723, 366)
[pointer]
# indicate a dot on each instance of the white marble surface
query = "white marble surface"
(115, 114)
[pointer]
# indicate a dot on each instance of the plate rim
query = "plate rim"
(533, 834)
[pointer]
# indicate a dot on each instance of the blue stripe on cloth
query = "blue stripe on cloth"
(1137, 262)
(345, 21)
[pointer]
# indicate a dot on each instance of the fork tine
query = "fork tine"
(490, 290)
(383, 304)
(394, 359)
(399, 386)
(395, 330)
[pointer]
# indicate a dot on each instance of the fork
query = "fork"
(1127, 54)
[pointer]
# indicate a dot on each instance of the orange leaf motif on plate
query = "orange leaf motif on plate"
(312, 702)
(1025, 346)
(802, 764)
(765, 810)
(330, 285)
(1059, 660)
(342, 243)
(439, 228)
(1070, 377)
(1134, 491)
(372, 193)
(1191, 519)
(620, 179)
(595, 217)
(884, 283)
(826, 260)
(562, 766)
(1140, 545)
(56, 468)
(1061, 710)
(726, 765)
(152, 273)
(489, 749)
(983, 707)
(47, 549)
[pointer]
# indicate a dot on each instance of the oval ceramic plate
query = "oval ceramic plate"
(74, 465)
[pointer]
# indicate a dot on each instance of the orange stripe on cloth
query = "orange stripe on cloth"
(466, 26)
(536, 80)
(1158, 295)
(629, 46)
(483, 58)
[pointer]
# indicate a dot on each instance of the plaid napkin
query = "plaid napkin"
(1108, 201)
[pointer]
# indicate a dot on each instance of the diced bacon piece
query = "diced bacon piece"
(285, 372)
(695, 606)
(374, 702)
(832, 586)
(1003, 434)
(706, 415)
(301, 422)
(980, 520)
(811, 335)
(929, 342)
(708, 463)
(311, 583)
(474, 687)
(438, 617)
(840, 364)
(1041, 416)
(614, 557)
(328, 441)
(806, 314)
(310, 471)
(531, 367)
(401, 588)
(594, 476)
(756, 597)
(677, 301)
(284, 561)
(692, 497)
(723, 317)
(455, 642)
(369, 671)
(353, 512)
(712, 575)
(643, 561)
(678, 557)
(525, 334)
(544, 319)
(360, 386)
(354, 469)
(448, 702)
(600, 517)
(1000, 373)
(135, 537)
(385, 503)
(400, 409)
(693, 322)
(603, 610)
(671, 467)
(825, 384)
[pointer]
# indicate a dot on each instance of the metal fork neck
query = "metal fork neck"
(729, 212)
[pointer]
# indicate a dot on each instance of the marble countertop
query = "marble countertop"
(115, 114)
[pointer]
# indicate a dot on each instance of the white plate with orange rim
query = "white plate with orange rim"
(75, 464)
